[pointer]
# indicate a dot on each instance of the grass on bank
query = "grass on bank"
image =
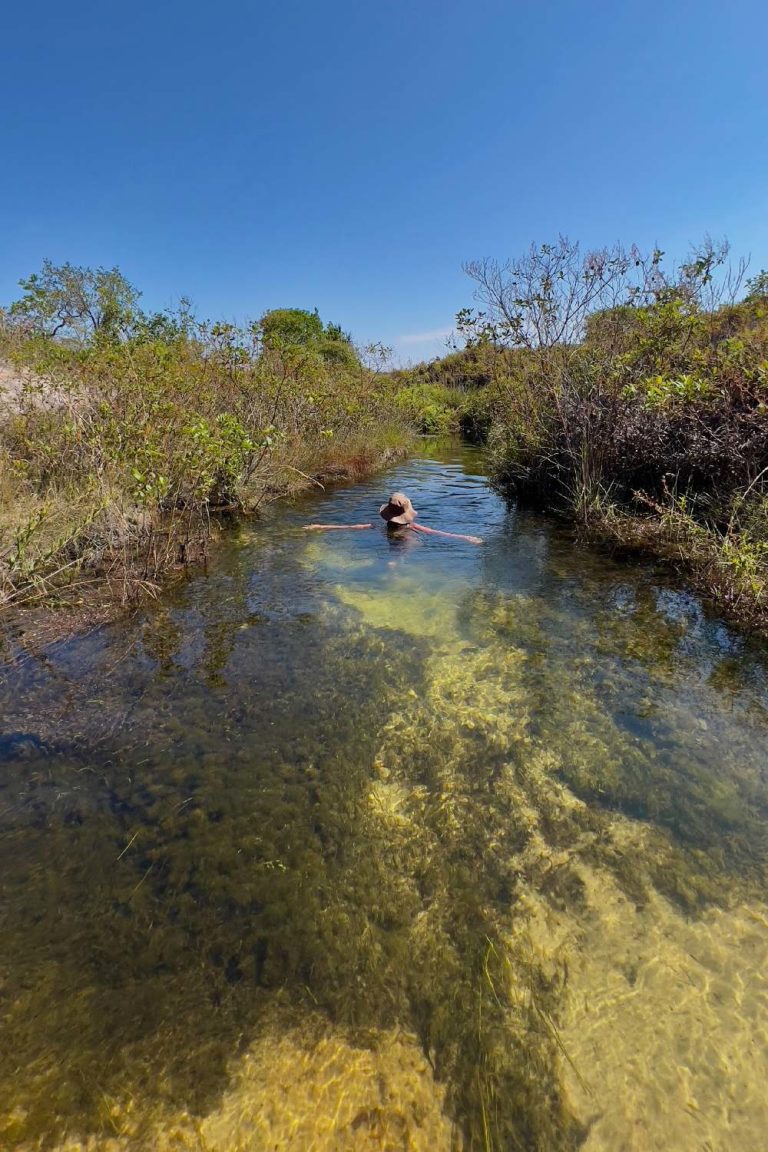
(122, 448)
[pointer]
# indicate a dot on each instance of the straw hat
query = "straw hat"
(398, 509)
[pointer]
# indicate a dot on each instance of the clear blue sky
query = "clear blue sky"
(350, 155)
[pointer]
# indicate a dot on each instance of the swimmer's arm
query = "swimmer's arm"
(335, 527)
(438, 532)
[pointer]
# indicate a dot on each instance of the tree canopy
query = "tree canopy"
(283, 328)
(77, 303)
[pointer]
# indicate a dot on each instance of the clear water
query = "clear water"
(369, 841)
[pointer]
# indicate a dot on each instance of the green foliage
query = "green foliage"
(77, 303)
(290, 328)
(622, 387)
(433, 409)
(451, 394)
(757, 286)
(662, 392)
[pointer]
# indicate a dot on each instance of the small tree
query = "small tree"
(757, 287)
(285, 328)
(544, 299)
(77, 303)
(288, 327)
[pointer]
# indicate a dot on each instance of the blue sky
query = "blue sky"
(349, 156)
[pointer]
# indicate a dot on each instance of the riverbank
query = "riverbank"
(110, 585)
(727, 569)
(630, 401)
(121, 460)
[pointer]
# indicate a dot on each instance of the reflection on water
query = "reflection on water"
(368, 841)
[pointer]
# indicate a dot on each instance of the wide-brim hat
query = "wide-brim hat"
(398, 509)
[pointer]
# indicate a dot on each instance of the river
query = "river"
(358, 841)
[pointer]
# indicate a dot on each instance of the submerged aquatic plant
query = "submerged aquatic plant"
(323, 815)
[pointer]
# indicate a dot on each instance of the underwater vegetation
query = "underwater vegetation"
(364, 846)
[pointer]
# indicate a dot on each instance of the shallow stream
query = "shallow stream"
(369, 841)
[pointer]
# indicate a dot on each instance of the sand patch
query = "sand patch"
(666, 1020)
(301, 1090)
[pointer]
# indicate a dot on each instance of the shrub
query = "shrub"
(622, 391)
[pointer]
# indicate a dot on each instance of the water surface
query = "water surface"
(362, 840)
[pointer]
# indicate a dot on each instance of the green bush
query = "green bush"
(636, 401)
(433, 409)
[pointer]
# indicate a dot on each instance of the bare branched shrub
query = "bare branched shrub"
(583, 333)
